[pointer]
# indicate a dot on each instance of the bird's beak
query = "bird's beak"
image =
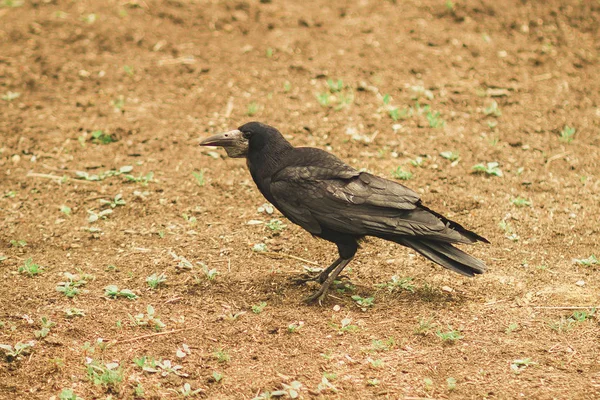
(232, 141)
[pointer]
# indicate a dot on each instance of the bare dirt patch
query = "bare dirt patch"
(119, 94)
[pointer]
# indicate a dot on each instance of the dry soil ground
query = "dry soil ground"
(122, 91)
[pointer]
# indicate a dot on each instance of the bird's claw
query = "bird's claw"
(305, 278)
(318, 295)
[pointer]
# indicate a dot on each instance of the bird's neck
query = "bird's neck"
(264, 163)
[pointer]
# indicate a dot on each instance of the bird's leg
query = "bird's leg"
(322, 276)
(338, 266)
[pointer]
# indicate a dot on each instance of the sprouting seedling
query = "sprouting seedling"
(493, 109)
(154, 280)
(221, 355)
(143, 179)
(112, 291)
(199, 177)
(335, 86)
(46, 324)
(149, 319)
(106, 375)
(491, 168)
(399, 173)
(74, 312)
(68, 394)
(258, 308)
(450, 155)
(449, 336)
(209, 273)
(94, 216)
(521, 202)
(102, 138)
(417, 162)
(116, 201)
(591, 260)
(517, 366)
(252, 109)
(186, 390)
(70, 287)
(363, 302)
(397, 283)
(323, 99)
(275, 225)
(294, 327)
(10, 96)
(65, 210)
(287, 86)
(434, 119)
(30, 268)
(567, 134)
(346, 326)
(129, 70)
(12, 353)
(18, 243)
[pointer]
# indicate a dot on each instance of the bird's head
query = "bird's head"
(250, 136)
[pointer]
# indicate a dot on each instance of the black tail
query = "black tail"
(445, 255)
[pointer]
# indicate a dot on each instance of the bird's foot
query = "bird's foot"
(302, 279)
(318, 295)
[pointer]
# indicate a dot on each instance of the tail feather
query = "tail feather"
(446, 255)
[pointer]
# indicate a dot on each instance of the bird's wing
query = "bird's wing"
(353, 202)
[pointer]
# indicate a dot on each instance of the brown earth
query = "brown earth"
(155, 77)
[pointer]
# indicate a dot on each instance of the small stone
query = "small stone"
(447, 289)
(580, 283)
(337, 308)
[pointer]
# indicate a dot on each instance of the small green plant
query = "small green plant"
(434, 120)
(425, 326)
(323, 99)
(275, 225)
(18, 243)
(74, 312)
(292, 390)
(518, 366)
(397, 283)
(269, 52)
(112, 291)
(509, 232)
(10, 96)
(154, 280)
(591, 260)
(451, 383)
(143, 179)
(30, 268)
(102, 138)
(199, 177)
(346, 326)
(335, 86)
(129, 70)
(287, 86)
(449, 5)
(149, 319)
(521, 202)
(65, 210)
(217, 376)
(377, 363)
(491, 168)
(252, 109)
(512, 328)
(567, 134)
(294, 327)
(493, 109)
(139, 391)
(211, 273)
(94, 216)
(383, 345)
(258, 308)
(68, 394)
(373, 382)
(450, 155)
(116, 201)
(70, 287)
(107, 375)
(221, 355)
(399, 173)
(417, 162)
(363, 302)
(259, 247)
(325, 383)
(186, 390)
(46, 324)
(104, 175)
(449, 336)
(12, 353)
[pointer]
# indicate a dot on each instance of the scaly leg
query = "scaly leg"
(339, 265)
(322, 276)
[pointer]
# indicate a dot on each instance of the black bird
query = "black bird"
(335, 202)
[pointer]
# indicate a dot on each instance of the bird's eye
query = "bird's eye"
(246, 135)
